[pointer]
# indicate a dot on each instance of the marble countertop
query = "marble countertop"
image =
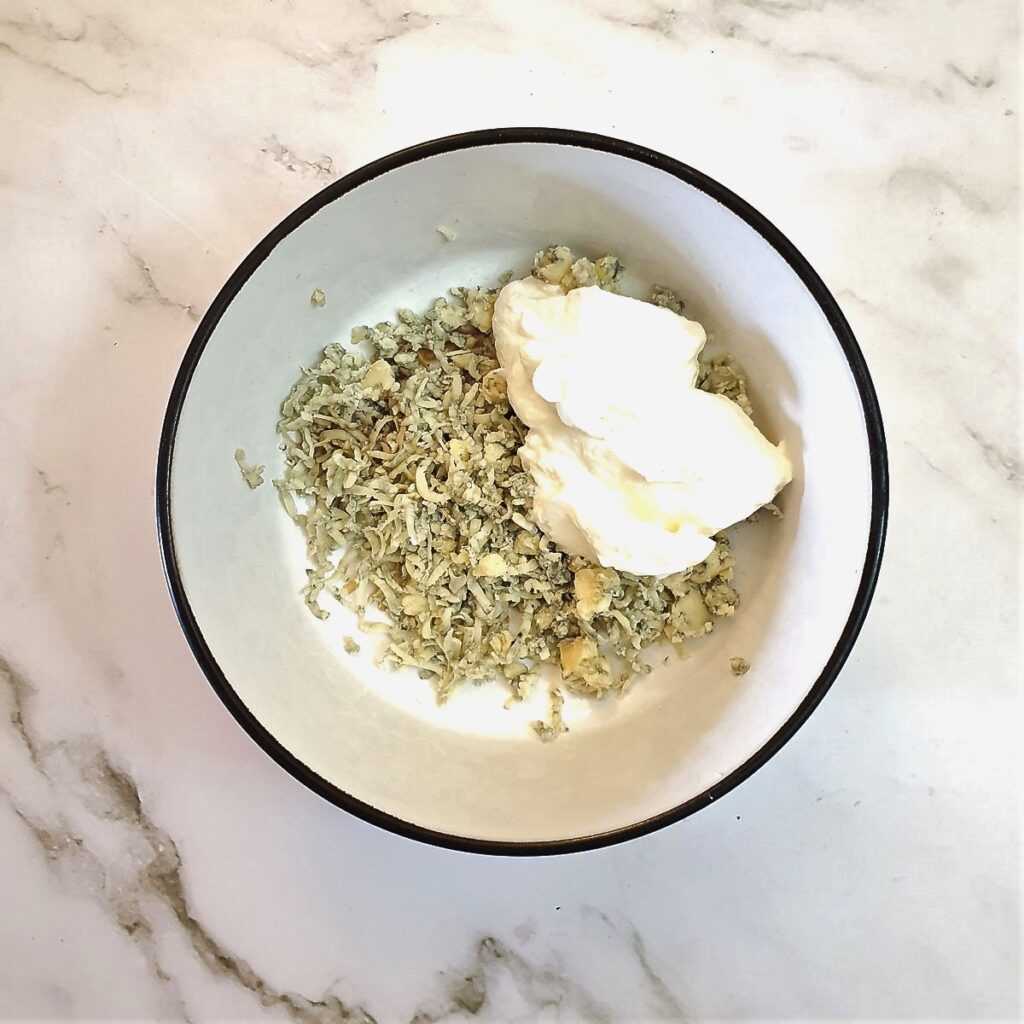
(156, 864)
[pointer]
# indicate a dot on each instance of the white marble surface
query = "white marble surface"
(156, 864)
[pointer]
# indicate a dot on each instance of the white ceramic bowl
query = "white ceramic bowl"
(472, 775)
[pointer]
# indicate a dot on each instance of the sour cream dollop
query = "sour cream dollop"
(635, 467)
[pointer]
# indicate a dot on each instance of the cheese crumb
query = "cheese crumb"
(252, 475)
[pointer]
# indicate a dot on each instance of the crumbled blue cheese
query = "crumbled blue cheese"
(252, 475)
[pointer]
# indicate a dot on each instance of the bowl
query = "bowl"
(470, 774)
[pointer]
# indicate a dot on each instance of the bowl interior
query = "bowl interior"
(473, 769)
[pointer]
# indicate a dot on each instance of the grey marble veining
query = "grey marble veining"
(87, 818)
(157, 865)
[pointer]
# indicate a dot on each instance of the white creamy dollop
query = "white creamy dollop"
(635, 467)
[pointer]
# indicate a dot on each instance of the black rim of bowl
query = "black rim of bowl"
(604, 144)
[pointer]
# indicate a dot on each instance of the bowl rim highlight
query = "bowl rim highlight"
(559, 137)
